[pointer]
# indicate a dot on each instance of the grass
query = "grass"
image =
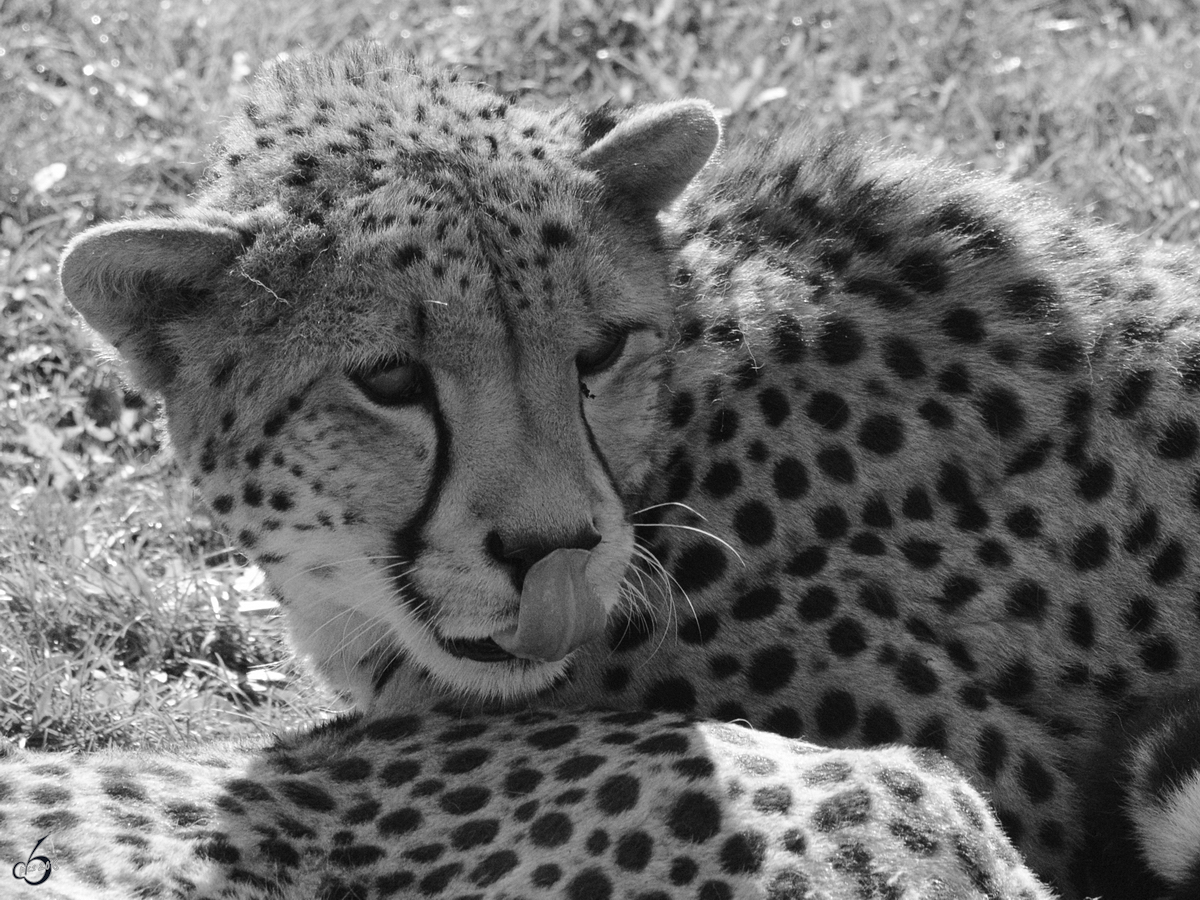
(124, 618)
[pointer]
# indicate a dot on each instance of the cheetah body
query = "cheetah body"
(526, 805)
(860, 447)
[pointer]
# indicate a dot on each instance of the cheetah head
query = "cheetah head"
(409, 344)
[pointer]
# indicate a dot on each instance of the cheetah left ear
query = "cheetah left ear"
(132, 280)
(650, 157)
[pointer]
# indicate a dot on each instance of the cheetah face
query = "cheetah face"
(416, 374)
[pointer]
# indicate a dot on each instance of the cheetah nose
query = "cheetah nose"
(559, 611)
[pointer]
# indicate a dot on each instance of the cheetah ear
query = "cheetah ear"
(130, 280)
(649, 158)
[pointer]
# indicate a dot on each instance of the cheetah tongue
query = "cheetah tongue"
(558, 609)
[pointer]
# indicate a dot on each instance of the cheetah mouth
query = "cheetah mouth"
(483, 650)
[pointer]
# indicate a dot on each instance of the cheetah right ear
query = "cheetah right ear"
(650, 157)
(131, 280)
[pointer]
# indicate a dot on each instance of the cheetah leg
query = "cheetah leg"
(1163, 796)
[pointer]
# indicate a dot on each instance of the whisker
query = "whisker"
(724, 543)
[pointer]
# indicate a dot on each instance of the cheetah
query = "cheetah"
(541, 408)
(585, 805)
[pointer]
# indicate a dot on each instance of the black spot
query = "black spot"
(754, 523)
(1014, 682)
(680, 410)
(1169, 564)
(784, 721)
(993, 751)
(994, 554)
(843, 810)
(1059, 354)
(616, 679)
(847, 637)
(743, 853)
(866, 544)
(465, 800)
(1159, 654)
(722, 480)
(882, 434)
(698, 567)
(924, 271)
(1028, 600)
(618, 794)
(790, 479)
(879, 726)
(633, 851)
(902, 357)
(1031, 457)
(1081, 627)
(407, 255)
(1035, 779)
(1179, 440)
(555, 736)
(1024, 523)
(589, 884)
(818, 603)
(520, 782)
(836, 714)
(922, 554)
(917, 505)
(774, 405)
(490, 869)
(578, 767)
(788, 339)
(1096, 480)
(671, 695)
(694, 817)
(556, 235)
(1091, 549)
(1001, 412)
(958, 590)
(830, 522)
(770, 670)
(1032, 297)
(916, 675)
(776, 799)
(551, 830)
(876, 514)
(698, 629)
(808, 562)
(1143, 533)
(476, 833)
(828, 410)
(954, 379)
(840, 342)
(936, 414)
(837, 464)
(222, 504)
(964, 325)
(1131, 392)
(757, 603)
(724, 425)
(878, 600)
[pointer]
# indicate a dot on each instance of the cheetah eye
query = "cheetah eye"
(602, 356)
(395, 382)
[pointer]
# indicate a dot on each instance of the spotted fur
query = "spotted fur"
(863, 448)
(584, 806)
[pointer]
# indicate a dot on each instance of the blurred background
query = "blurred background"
(124, 617)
